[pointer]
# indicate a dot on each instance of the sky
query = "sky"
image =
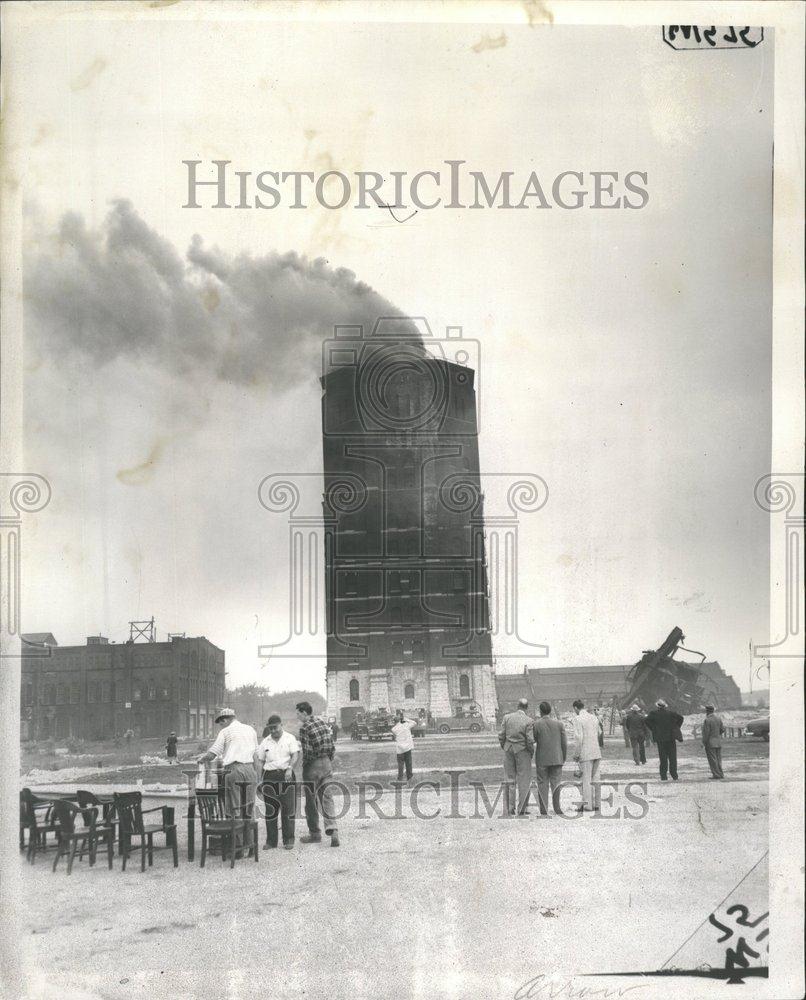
(172, 355)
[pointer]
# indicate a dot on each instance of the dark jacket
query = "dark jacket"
(712, 730)
(663, 723)
(635, 724)
(551, 742)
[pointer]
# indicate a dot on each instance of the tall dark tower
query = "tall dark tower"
(406, 583)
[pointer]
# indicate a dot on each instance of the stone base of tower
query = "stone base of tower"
(440, 690)
(439, 699)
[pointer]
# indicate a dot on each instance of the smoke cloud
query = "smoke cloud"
(125, 292)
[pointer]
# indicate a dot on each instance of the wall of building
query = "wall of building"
(101, 690)
(406, 578)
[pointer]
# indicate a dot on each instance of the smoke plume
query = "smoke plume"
(125, 292)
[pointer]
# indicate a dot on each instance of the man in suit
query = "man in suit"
(635, 725)
(712, 731)
(662, 723)
(517, 742)
(551, 750)
(587, 752)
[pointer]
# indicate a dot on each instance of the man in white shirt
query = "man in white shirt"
(404, 744)
(587, 752)
(276, 758)
(235, 745)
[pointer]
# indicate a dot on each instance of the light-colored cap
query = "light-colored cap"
(635, 708)
(225, 713)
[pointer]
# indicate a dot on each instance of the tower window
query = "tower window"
(354, 690)
(408, 692)
(464, 686)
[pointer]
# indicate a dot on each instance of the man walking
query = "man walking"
(713, 729)
(170, 746)
(235, 745)
(662, 723)
(625, 731)
(587, 752)
(551, 750)
(276, 758)
(517, 742)
(316, 741)
(404, 744)
(636, 728)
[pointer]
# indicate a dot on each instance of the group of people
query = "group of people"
(545, 740)
(267, 768)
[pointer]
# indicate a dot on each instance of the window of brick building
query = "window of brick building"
(92, 693)
(75, 692)
(106, 691)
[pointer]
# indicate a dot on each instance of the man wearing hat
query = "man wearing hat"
(635, 726)
(662, 723)
(712, 730)
(235, 744)
(277, 757)
(517, 742)
(170, 746)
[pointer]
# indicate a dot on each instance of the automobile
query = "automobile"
(460, 723)
(758, 727)
(372, 726)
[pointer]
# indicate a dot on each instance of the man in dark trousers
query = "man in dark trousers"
(662, 723)
(636, 728)
(712, 730)
(170, 746)
(551, 750)
(275, 758)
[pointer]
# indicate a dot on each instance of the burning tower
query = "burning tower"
(405, 569)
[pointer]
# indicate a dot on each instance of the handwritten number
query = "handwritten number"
(745, 913)
(721, 927)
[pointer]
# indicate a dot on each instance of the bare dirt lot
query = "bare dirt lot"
(458, 904)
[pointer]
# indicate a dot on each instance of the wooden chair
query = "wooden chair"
(65, 814)
(106, 808)
(215, 824)
(35, 817)
(129, 812)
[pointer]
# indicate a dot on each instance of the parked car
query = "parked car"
(460, 723)
(758, 727)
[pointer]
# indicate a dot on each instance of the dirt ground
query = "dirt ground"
(458, 905)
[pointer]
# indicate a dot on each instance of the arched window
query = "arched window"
(408, 692)
(464, 686)
(353, 690)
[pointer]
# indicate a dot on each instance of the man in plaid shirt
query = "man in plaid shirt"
(316, 740)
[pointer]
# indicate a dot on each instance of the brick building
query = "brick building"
(405, 569)
(102, 689)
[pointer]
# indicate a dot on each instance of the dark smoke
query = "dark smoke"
(124, 291)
